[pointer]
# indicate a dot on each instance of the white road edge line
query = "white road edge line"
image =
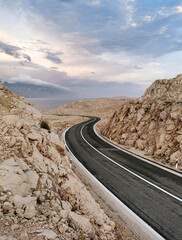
(133, 221)
(136, 175)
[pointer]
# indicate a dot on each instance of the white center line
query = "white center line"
(136, 175)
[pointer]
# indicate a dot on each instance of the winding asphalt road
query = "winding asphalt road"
(152, 193)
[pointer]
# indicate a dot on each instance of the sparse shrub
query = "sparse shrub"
(45, 125)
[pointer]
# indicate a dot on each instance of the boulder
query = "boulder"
(170, 125)
(179, 138)
(7, 206)
(20, 202)
(13, 179)
(82, 223)
(140, 144)
(176, 155)
(33, 178)
(163, 115)
(66, 206)
(30, 211)
(37, 160)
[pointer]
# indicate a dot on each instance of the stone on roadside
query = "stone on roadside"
(82, 223)
(49, 234)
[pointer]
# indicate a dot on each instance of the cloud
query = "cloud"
(94, 89)
(29, 80)
(178, 9)
(94, 2)
(147, 18)
(10, 49)
(27, 57)
(116, 40)
(13, 51)
(53, 57)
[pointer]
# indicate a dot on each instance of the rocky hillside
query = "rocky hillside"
(94, 107)
(40, 196)
(152, 123)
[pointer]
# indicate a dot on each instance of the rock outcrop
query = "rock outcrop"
(40, 196)
(152, 123)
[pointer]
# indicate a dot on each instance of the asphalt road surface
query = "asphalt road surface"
(152, 193)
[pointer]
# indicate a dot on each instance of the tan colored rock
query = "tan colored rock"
(55, 219)
(22, 164)
(170, 125)
(106, 227)
(163, 115)
(34, 136)
(140, 144)
(13, 120)
(7, 206)
(49, 234)
(10, 140)
(37, 160)
(20, 201)
(33, 178)
(24, 236)
(30, 211)
(62, 228)
(152, 125)
(176, 112)
(33, 112)
(3, 198)
(63, 214)
(54, 138)
(179, 138)
(83, 223)
(176, 155)
(54, 155)
(7, 238)
(66, 206)
(13, 179)
(92, 209)
(160, 139)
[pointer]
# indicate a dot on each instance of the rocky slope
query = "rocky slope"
(152, 123)
(40, 196)
(94, 107)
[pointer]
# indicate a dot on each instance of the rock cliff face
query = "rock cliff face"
(40, 196)
(152, 123)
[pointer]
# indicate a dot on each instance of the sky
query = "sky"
(93, 48)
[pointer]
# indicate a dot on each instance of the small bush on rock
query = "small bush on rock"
(45, 125)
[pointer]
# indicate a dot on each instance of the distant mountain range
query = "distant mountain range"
(30, 90)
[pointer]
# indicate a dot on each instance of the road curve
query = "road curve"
(152, 193)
